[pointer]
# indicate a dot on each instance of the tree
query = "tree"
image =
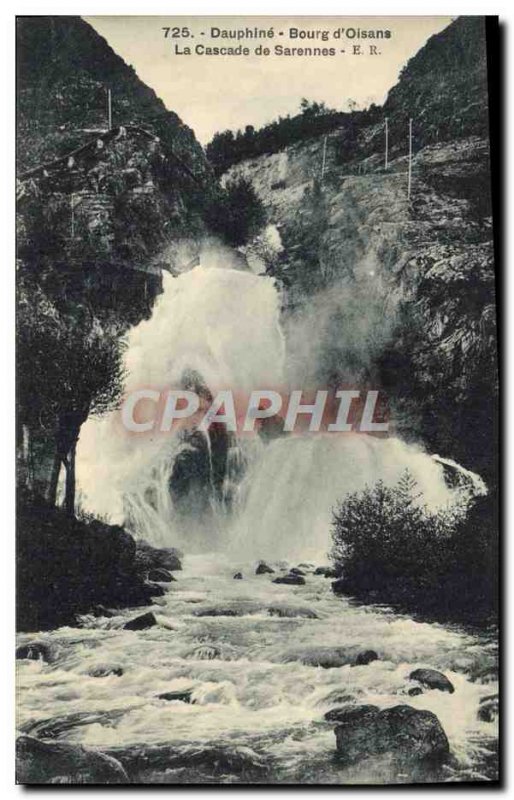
(70, 365)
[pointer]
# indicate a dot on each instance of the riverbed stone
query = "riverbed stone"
(415, 691)
(405, 735)
(36, 651)
(292, 612)
(263, 569)
(432, 679)
(141, 623)
(488, 708)
(238, 576)
(350, 713)
(296, 571)
(181, 695)
(40, 762)
(290, 580)
(105, 670)
(160, 575)
(365, 657)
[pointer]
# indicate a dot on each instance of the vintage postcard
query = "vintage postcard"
(257, 400)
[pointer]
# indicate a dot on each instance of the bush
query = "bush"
(388, 545)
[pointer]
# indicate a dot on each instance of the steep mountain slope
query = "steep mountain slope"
(396, 291)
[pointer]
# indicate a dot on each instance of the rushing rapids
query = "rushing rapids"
(243, 655)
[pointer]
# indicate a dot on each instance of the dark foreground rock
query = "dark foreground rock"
(405, 736)
(141, 623)
(290, 580)
(432, 679)
(365, 657)
(349, 714)
(40, 762)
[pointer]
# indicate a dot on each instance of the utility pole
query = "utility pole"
(109, 108)
(386, 144)
(410, 160)
(324, 159)
(72, 197)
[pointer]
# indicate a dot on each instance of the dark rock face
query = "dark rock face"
(160, 575)
(36, 651)
(154, 589)
(149, 558)
(290, 580)
(141, 623)
(403, 734)
(263, 569)
(488, 708)
(365, 657)
(432, 679)
(183, 696)
(41, 762)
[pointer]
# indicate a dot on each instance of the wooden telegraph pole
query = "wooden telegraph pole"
(109, 108)
(409, 184)
(324, 159)
(386, 144)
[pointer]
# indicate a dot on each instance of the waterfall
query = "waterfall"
(222, 326)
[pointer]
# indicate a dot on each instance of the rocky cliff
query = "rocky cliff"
(398, 291)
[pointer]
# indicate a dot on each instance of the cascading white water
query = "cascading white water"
(224, 325)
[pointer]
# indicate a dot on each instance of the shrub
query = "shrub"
(387, 544)
(237, 214)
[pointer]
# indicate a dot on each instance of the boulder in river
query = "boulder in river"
(183, 696)
(160, 575)
(263, 569)
(148, 557)
(290, 580)
(238, 576)
(326, 657)
(349, 713)
(432, 679)
(415, 691)
(40, 762)
(296, 571)
(36, 651)
(327, 572)
(488, 708)
(365, 657)
(402, 734)
(141, 623)
(105, 670)
(291, 612)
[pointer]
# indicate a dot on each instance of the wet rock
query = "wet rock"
(154, 590)
(340, 698)
(290, 580)
(296, 571)
(488, 708)
(148, 557)
(104, 670)
(339, 586)
(56, 762)
(263, 569)
(404, 735)
(415, 691)
(141, 623)
(205, 652)
(365, 657)
(291, 612)
(432, 679)
(36, 651)
(102, 611)
(238, 576)
(327, 572)
(183, 696)
(160, 575)
(326, 657)
(350, 714)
